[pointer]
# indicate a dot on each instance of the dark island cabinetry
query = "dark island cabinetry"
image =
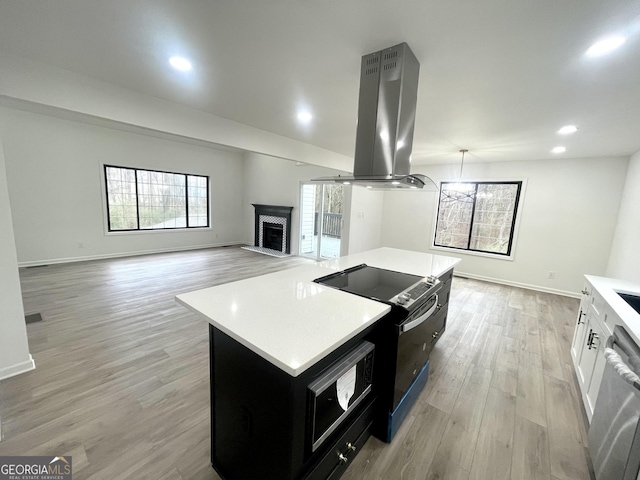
(261, 418)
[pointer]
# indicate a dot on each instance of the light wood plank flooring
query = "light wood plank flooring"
(501, 401)
(121, 382)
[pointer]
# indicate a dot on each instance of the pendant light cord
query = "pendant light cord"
(463, 151)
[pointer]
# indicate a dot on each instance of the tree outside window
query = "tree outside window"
(152, 200)
(477, 216)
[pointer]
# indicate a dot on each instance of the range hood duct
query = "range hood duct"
(386, 118)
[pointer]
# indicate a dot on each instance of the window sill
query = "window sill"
(146, 232)
(510, 258)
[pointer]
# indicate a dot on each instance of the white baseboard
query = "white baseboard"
(103, 256)
(537, 288)
(17, 369)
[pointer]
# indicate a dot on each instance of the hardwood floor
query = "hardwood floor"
(121, 382)
(501, 401)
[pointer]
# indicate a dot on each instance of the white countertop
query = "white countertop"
(608, 288)
(292, 322)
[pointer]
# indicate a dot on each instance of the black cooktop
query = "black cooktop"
(371, 282)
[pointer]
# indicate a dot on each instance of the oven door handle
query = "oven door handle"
(405, 327)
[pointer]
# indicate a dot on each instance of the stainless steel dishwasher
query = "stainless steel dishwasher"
(614, 434)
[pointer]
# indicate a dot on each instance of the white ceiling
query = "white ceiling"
(498, 77)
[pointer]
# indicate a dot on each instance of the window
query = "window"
(151, 200)
(477, 216)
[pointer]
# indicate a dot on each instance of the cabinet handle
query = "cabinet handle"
(351, 447)
(594, 336)
(579, 317)
(439, 306)
(589, 337)
(435, 335)
(584, 291)
(342, 458)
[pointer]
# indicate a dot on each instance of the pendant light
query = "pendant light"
(458, 191)
(462, 151)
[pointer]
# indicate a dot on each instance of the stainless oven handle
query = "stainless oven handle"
(405, 327)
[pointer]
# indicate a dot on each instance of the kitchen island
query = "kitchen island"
(270, 338)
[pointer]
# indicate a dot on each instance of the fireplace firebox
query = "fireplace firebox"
(272, 236)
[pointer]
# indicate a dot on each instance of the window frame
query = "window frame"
(105, 190)
(517, 214)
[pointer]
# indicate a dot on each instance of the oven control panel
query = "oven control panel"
(424, 288)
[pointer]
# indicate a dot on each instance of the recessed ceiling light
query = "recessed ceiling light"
(567, 129)
(180, 63)
(395, 183)
(606, 45)
(369, 186)
(304, 116)
(346, 183)
(559, 150)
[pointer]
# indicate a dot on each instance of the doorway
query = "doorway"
(321, 220)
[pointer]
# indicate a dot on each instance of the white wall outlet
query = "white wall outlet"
(551, 275)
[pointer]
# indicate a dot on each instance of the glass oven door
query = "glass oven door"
(416, 337)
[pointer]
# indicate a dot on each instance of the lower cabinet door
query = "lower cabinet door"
(436, 330)
(579, 334)
(598, 342)
(337, 458)
(588, 356)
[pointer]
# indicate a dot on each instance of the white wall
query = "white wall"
(624, 261)
(14, 347)
(274, 181)
(567, 221)
(365, 220)
(54, 169)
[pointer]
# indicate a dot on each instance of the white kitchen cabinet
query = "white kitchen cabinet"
(581, 324)
(587, 360)
(594, 325)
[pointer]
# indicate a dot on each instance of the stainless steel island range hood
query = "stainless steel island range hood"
(386, 117)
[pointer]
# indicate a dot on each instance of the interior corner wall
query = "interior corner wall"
(566, 225)
(14, 346)
(54, 171)
(275, 181)
(624, 260)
